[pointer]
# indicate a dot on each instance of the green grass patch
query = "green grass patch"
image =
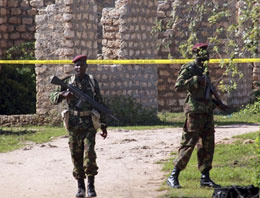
(17, 137)
(12, 138)
(234, 164)
(177, 119)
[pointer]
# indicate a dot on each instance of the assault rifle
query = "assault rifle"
(82, 97)
(211, 89)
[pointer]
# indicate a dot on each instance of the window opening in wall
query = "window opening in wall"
(101, 5)
(18, 82)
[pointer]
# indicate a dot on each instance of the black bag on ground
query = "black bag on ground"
(236, 192)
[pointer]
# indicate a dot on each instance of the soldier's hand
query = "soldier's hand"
(104, 133)
(66, 95)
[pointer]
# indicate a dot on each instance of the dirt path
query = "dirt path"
(126, 159)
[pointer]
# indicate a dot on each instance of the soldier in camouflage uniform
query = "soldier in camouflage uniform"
(80, 126)
(199, 124)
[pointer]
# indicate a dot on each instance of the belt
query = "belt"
(80, 113)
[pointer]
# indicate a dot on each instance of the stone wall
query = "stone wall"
(18, 120)
(137, 21)
(16, 23)
(111, 40)
(119, 29)
(174, 35)
(101, 4)
(127, 30)
(63, 30)
(127, 35)
(137, 81)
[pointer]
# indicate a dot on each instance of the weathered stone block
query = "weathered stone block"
(68, 2)
(161, 14)
(37, 3)
(69, 34)
(67, 17)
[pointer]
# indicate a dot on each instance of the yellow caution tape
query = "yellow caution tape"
(129, 62)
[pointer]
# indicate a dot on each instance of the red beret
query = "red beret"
(199, 45)
(79, 57)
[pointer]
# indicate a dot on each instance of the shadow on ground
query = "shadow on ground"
(16, 133)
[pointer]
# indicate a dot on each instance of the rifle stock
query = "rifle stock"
(82, 97)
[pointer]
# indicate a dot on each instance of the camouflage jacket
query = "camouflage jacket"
(187, 80)
(91, 88)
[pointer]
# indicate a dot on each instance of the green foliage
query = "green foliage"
(253, 108)
(236, 38)
(257, 166)
(257, 90)
(18, 82)
(129, 112)
(247, 114)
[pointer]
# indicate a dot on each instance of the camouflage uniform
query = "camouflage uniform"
(199, 124)
(81, 131)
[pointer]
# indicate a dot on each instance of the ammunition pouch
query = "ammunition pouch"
(95, 115)
(65, 117)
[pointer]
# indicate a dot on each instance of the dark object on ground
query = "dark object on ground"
(236, 192)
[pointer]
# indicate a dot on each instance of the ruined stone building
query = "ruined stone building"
(108, 29)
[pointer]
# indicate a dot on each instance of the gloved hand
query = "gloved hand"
(104, 132)
(66, 95)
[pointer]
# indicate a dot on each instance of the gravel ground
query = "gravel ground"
(126, 160)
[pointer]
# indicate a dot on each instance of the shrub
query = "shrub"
(129, 112)
(18, 82)
(253, 108)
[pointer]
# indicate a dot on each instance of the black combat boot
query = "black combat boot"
(81, 188)
(205, 180)
(91, 187)
(173, 180)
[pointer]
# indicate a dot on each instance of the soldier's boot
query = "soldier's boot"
(91, 187)
(81, 188)
(205, 180)
(173, 180)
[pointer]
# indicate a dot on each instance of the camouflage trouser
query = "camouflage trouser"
(82, 149)
(198, 129)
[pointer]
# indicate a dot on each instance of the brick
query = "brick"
(3, 20)
(14, 20)
(27, 36)
(16, 11)
(21, 28)
(32, 12)
(3, 12)
(27, 21)
(12, 3)
(15, 36)
(3, 28)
